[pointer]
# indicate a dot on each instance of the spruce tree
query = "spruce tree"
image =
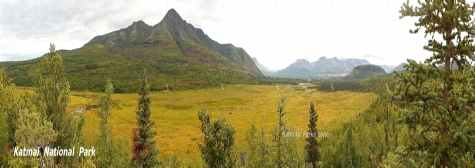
(145, 152)
(312, 147)
(437, 96)
(218, 141)
(52, 98)
(279, 141)
(53, 88)
(285, 147)
(105, 145)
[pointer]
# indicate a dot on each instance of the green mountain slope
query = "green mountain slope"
(175, 53)
(366, 71)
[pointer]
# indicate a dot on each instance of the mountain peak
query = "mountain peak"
(140, 23)
(172, 15)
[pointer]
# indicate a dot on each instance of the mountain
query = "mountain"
(400, 67)
(175, 53)
(366, 71)
(322, 68)
(266, 71)
(388, 68)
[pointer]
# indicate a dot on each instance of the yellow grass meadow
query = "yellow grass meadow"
(175, 112)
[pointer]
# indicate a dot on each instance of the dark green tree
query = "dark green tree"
(312, 148)
(218, 141)
(437, 96)
(145, 152)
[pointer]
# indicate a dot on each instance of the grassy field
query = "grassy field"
(178, 128)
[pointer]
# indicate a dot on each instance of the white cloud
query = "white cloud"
(277, 32)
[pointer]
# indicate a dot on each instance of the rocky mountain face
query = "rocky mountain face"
(174, 52)
(322, 68)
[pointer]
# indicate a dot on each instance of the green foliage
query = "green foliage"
(52, 95)
(109, 153)
(32, 131)
(8, 107)
(312, 148)
(339, 85)
(279, 133)
(218, 141)
(145, 152)
(259, 151)
(4, 80)
(437, 96)
(366, 71)
(285, 147)
(349, 155)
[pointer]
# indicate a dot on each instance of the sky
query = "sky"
(276, 32)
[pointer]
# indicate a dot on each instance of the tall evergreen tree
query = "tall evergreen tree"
(281, 129)
(218, 141)
(145, 152)
(105, 145)
(312, 147)
(52, 91)
(437, 96)
(285, 147)
(53, 87)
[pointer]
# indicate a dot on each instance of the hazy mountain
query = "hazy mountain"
(322, 68)
(400, 67)
(365, 71)
(174, 52)
(266, 71)
(388, 68)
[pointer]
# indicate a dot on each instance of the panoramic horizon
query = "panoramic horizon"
(267, 30)
(237, 84)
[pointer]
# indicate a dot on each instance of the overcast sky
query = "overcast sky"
(276, 32)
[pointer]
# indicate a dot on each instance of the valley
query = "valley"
(178, 127)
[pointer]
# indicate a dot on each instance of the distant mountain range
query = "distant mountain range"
(174, 52)
(323, 68)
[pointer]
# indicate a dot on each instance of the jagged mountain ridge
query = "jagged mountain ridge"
(175, 29)
(322, 68)
(174, 52)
